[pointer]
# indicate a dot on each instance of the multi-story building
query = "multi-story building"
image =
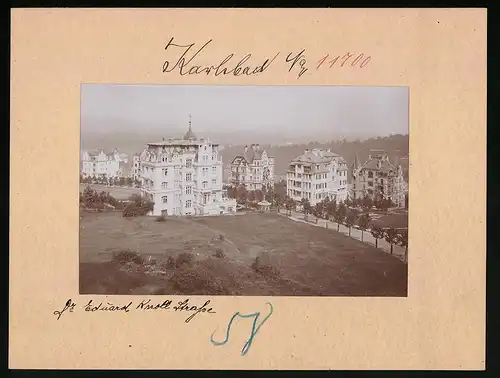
(254, 168)
(184, 177)
(316, 175)
(101, 164)
(378, 178)
(136, 167)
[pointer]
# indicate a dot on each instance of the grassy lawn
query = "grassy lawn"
(299, 259)
(395, 220)
(118, 193)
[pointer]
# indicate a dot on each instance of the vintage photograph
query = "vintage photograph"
(244, 190)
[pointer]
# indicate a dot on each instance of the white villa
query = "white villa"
(317, 174)
(184, 177)
(102, 164)
(254, 168)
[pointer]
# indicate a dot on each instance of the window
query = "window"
(214, 181)
(188, 176)
(205, 184)
(205, 171)
(214, 156)
(205, 158)
(317, 166)
(164, 185)
(188, 203)
(165, 171)
(370, 183)
(370, 174)
(188, 190)
(189, 163)
(214, 170)
(205, 148)
(164, 199)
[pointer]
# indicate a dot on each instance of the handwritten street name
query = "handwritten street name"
(184, 306)
(186, 61)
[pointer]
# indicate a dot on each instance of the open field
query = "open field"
(117, 192)
(295, 258)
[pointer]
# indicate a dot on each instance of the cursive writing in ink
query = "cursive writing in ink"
(146, 305)
(300, 59)
(69, 305)
(106, 307)
(184, 306)
(184, 66)
(253, 333)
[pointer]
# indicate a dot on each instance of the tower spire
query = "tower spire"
(189, 134)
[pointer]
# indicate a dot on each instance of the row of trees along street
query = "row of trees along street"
(350, 213)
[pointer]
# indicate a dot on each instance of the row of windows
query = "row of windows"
(204, 172)
(188, 189)
(188, 203)
(321, 185)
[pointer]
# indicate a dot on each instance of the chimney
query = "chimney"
(328, 150)
(246, 149)
(306, 151)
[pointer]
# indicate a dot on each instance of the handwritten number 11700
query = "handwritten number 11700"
(354, 60)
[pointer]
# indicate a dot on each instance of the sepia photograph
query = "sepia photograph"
(244, 190)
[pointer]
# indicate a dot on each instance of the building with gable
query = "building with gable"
(254, 168)
(103, 164)
(379, 178)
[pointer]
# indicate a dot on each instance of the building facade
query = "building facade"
(254, 168)
(316, 175)
(378, 178)
(184, 177)
(136, 167)
(102, 164)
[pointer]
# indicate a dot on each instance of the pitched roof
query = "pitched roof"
(316, 158)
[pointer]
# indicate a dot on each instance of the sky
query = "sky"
(294, 110)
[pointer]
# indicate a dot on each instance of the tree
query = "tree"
(391, 237)
(377, 233)
(290, 205)
(318, 210)
(340, 215)
(251, 196)
(403, 241)
(306, 207)
(367, 202)
(259, 195)
(331, 209)
(351, 219)
(363, 223)
(241, 194)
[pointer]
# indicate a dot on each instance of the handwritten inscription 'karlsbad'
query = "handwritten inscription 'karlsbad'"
(187, 62)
